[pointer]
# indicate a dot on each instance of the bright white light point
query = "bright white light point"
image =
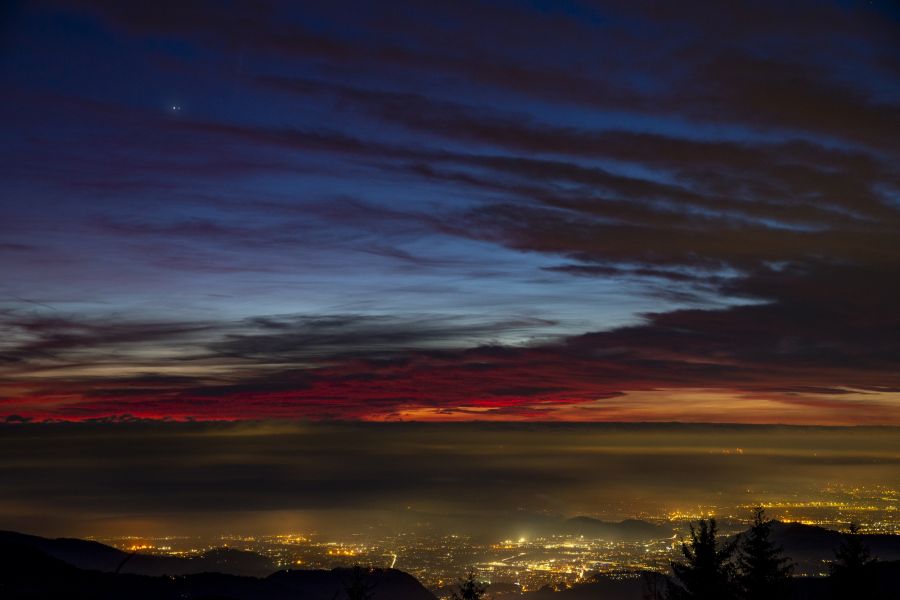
(175, 107)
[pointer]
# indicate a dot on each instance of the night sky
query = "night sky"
(531, 211)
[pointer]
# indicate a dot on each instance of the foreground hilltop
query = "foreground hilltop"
(29, 573)
(90, 555)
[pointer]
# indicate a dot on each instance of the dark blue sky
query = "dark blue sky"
(429, 210)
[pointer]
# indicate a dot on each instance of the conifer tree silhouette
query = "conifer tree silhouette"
(764, 572)
(358, 588)
(849, 570)
(470, 588)
(708, 571)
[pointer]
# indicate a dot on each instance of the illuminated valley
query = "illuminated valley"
(526, 563)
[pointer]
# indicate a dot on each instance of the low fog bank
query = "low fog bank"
(208, 478)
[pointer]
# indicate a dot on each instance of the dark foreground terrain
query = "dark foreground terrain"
(29, 573)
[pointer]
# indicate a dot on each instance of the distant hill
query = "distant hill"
(629, 530)
(811, 547)
(90, 555)
(29, 573)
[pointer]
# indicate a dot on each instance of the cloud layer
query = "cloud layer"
(452, 211)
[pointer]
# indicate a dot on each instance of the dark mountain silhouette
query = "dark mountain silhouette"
(809, 545)
(86, 554)
(629, 530)
(28, 573)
